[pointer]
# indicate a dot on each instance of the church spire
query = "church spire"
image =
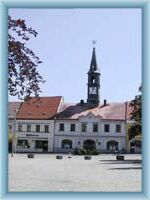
(93, 65)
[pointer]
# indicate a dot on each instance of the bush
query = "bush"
(78, 151)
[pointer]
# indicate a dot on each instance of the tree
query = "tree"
(136, 116)
(23, 76)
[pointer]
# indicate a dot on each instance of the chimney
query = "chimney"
(105, 102)
(82, 102)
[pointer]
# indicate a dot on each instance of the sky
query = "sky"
(64, 44)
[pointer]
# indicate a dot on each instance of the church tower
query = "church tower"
(93, 98)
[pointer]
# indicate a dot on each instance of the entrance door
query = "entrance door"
(89, 145)
(41, 144)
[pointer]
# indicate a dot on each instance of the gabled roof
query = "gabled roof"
(13, 107)
(112, 111)
(39, 108)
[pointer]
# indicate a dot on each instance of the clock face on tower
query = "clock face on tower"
(92, 90)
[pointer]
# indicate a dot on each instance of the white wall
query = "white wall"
(33, 135)
(100, 136)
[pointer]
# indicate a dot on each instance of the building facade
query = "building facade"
(48, 124)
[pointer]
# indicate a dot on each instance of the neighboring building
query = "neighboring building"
(13, 108)
(35, 124)
(48, 124)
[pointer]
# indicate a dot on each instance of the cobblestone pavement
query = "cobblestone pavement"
(102, 173)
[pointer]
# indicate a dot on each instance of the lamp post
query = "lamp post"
(14, 134)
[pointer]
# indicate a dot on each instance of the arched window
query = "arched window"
(66, 144)
(112, 145)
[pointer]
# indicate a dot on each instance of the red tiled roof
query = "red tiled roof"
(12, 109)
(39, 108)
(112, 111)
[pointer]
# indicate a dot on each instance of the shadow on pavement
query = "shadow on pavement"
(125, 168)
(137, 161)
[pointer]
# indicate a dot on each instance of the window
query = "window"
(95, 127)
(28, 127)
(61, 127)
(72, 127)
(106, 128)
(23, 143)
(118, 128)
(10, 127)
(46, 128)
(84, 127)
(66, 144)
(37, 128)
(20, 127)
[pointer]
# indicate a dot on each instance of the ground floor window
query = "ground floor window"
(66, 144)
(23, 143)
(112, 145)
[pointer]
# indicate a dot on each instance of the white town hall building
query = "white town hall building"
(48, 124)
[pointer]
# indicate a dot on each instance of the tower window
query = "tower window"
(106, 127)
(93, 80)
(84, 127)
(61, 127)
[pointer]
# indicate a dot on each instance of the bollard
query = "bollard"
(30, 155)
(59, 157)
(87, 157)
(119, 157)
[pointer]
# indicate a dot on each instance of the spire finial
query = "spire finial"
(94, 43)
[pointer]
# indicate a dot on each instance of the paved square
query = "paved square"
(101, 173)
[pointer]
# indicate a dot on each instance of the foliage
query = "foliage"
(78, 151)
(23, 76)
(10, 136)
(136, 116)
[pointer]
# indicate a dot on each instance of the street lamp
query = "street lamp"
(14, 134)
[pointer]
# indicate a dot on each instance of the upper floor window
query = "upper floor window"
(72, 127)
(118, 128)
(61, 127)
(84, 127)
(46, 128)
(106, 128)
(28, 127)
(37, 128)
(95, 127)
(20, 127)
(10, 127)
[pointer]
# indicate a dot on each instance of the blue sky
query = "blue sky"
(64, 44)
